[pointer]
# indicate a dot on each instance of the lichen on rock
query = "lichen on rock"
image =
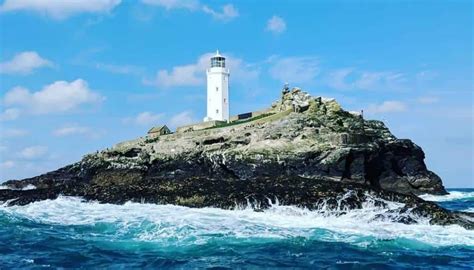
(301, 137)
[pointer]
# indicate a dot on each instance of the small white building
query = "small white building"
(217, 90)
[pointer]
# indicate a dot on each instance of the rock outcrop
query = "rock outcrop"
(296, 153)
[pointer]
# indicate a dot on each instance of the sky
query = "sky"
(80, 76)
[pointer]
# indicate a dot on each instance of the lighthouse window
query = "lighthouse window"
(217, 62)
(225, 100)
(217, 111)
(217, 89)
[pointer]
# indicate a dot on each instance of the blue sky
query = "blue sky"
(78, 76)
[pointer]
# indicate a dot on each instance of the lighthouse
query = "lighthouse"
(217, 89)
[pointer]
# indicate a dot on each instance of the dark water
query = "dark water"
(69, 233)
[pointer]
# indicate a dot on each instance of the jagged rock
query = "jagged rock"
(307, 144)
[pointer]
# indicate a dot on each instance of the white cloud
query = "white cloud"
(242, 72)
(74, 129)
(276, 25)
(119, 69)
(174, 4)
(8, 164)
(33, 152)
(187, 75)
(195, 74)
(144, 119)
(13, 132)
(426, 75)
(387, 107)
(60, 9)
(70, 130)
(151, 119)
(294, 69)
(60, 96)
(228, 12)
(10, 114)
(371, 80)
(428, 100)
(337, 78)
(24, 63)
(182, 119)
(350, 78)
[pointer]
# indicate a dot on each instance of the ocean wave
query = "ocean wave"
(27, 187)
(170, 225)
(453, 195)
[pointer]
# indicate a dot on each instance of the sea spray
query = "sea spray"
(69, 232)
(453, 195)
(458, 200)
(27, 187)
(178, 225)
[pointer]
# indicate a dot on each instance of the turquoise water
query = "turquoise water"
(69, 233)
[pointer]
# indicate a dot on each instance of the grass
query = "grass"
(152, 139)
(238, 122)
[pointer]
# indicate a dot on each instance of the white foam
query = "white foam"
(453, 195)
(27, 187)
(176, 225)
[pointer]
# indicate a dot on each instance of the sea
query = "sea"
(70, 233)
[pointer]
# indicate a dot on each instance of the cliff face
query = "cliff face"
(304, 136)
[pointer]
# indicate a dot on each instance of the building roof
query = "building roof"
(159, 129)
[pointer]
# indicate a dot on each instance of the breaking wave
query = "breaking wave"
(453, 195)
(70, 233)
(27, 187)
(170, 225)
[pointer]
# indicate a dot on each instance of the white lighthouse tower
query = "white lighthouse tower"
(217, 90)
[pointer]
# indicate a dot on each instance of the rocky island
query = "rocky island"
(303, 150)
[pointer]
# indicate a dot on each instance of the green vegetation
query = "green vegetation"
(152, 139)
(238, 122)
(273, 117)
